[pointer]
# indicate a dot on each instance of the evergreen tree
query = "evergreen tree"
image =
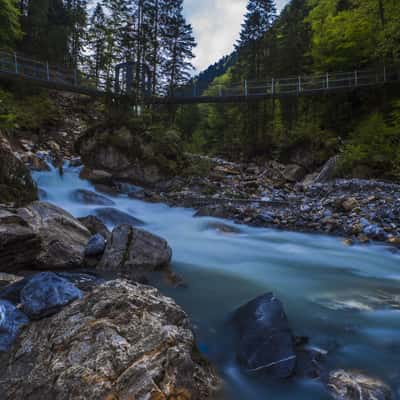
(77, 13)
(178, 43)
(96, 42)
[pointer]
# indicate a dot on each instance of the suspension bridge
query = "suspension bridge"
(16, 67)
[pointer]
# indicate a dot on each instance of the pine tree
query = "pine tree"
(77, 14)
(258, 19)
(178, 43)
(97, 39)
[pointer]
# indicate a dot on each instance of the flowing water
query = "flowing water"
(345, 299)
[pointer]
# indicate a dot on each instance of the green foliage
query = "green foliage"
(27, 112)
(375, 146)
(10, 30)
(7, 111)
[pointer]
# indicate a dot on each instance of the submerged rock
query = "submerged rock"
(112, 216)
(89, 197)
(134, 253)
(265, 339)
(46, 293)
(122, 341)
(354, 385)
(11, 322)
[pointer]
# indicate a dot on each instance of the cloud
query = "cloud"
(216, 25)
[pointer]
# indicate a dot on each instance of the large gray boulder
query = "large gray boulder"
(122, 341)
(133, 253)
(354, 385)
(41, 236)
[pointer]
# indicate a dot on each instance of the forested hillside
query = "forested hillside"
(94, 38)
(308, 37)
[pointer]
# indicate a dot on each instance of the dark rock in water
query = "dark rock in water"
(133, 253)
(354, 385)
(11, 322)
(46, 293)
(95, 225)
(265, 339)
(121, 341)
(95, 246)
(89, 197)
(12, 292)
(84, 282)
(114, 217)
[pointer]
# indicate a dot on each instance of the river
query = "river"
(345, 299)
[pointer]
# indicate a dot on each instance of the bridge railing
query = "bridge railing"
(296, 85)
(26, 67)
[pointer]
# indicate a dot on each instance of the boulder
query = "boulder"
(95, 246)
(354, 385)
(46, 293)
(16, 183)
(294, 173)
(95, 225)
(62, 238)
(113, 217)
(19, 244)
(132, 153)
(122, 341)
(133, 253)
(11, 322)
(89, 197)
(265, 340)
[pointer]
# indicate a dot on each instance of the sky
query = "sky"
(216, 25)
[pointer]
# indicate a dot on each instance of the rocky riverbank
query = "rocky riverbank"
(269, 196)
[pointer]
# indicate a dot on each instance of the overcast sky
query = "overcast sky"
(216, 25)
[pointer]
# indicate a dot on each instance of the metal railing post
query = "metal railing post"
(299, 87)
(16, 63)
(246, 90)
(47, 71)
(327, 80)
(356, 78)
(273, 86)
